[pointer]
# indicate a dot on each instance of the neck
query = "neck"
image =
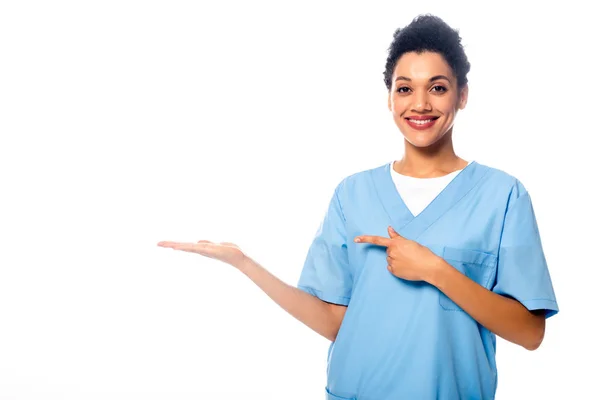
(436, 160)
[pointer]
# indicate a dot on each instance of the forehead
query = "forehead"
(422, 66)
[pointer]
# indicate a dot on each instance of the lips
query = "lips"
(421, 122)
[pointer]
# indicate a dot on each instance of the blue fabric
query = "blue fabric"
(407, 340)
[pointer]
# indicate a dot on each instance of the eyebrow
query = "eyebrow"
(433, 78)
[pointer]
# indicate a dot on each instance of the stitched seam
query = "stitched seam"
(455, 203)
(485, 264)
(340, 206)
(323, 293)
(553, 301)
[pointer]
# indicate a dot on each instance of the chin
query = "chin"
(422, 140)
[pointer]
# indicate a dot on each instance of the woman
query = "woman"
(419, 263)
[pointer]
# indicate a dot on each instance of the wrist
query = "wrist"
(245, 264)
(437, 271)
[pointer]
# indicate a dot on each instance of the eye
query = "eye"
(403, 89)
(439, 89)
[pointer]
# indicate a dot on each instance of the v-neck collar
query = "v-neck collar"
(403, 221)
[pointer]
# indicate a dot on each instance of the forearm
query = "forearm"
(505, 317)
(308, 309)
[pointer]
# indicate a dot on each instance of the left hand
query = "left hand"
(226, 252)
(406, 258)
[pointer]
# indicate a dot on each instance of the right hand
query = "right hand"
(226, 252)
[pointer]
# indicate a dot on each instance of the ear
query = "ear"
(464, 95)
(390, 99)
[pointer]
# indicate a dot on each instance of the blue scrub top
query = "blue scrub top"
(404, 339)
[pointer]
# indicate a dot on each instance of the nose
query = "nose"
(421, 102)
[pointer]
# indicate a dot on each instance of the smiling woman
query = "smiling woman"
(418, 263)
(426, 98)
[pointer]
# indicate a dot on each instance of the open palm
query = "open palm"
(227, 252)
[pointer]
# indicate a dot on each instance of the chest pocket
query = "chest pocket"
(476, 265)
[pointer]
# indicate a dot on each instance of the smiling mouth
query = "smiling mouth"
(421, 121)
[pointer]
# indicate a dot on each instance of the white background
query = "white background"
(124, 123)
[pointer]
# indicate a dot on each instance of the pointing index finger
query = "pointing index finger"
(378, 240)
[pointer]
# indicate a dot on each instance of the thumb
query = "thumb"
(392, 232)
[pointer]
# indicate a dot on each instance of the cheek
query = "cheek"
(445, 106)
(399, 107)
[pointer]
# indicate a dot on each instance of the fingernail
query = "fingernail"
(357, 240)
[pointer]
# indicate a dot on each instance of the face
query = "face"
(424, 98)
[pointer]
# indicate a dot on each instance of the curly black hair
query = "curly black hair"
(428, 33)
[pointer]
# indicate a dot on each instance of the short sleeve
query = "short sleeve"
(326, 273)
(522, 270)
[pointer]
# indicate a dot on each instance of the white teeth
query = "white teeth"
(420, 121)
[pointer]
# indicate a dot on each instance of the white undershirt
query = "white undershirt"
(417, 193)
